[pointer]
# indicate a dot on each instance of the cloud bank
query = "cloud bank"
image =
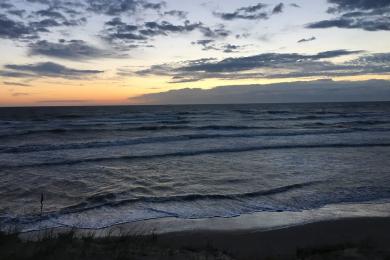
(45, 69)
(72, 50)
(273, 66)
(296, 92)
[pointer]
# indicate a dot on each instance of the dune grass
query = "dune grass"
(68, 245)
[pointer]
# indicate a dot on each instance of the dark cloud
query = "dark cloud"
(58, 13)
(59, 18)
(73, 50)
(44, 2)
(112, 7)
(44, 24)
(16, 84)
(164, 27)
(107, 7)
(6, 5)
(46, 16)
(73, 8)
(117, 21)
(264, 60)
(177, 13)
(296, 92)
(119, 32)
(155, 6)
(210, 44)
(274, 65)
(368, 15)
(75, 22)
(278, 9)
(350, 5)
(50, 14)
(31, 23)
(295, 5)
(45, 69)
(253, 8)
(17, 12)
(219, 32)
(378, 63)
(379, 59)
(118, 7)
(207, 44)
(242, 35)
(368, 25)
(204, 43)
(229, 48)
(181, 79)
(11, 29)
(307, 39)
(14, 74)
(254, 12)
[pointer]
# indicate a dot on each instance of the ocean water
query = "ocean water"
(100, 166)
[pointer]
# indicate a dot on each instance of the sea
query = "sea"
(95, 167)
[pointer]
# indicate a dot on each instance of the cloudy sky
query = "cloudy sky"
(82, 52)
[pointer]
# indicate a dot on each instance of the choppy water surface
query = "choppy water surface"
(98, 166)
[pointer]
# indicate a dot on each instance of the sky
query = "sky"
(114, 52)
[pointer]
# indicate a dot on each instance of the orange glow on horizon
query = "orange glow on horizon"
(115, 91)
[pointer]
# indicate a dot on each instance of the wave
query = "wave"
(107, 199)
(278, 112)
(229, 127)
(346, 124)
(194, 153)
(167, 139)
(196, 206)
(90, 129)
(162, 123)
(131, 129)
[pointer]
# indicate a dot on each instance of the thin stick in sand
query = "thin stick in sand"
(41, 203)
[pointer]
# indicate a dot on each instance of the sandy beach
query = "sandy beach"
(357, 238)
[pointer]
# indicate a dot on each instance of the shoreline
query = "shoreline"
(259, 221)
(360, 231)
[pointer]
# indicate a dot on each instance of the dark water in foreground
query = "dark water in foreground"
(99, 166)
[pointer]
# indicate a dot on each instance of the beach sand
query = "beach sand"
(349, 238)
(358, 238)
